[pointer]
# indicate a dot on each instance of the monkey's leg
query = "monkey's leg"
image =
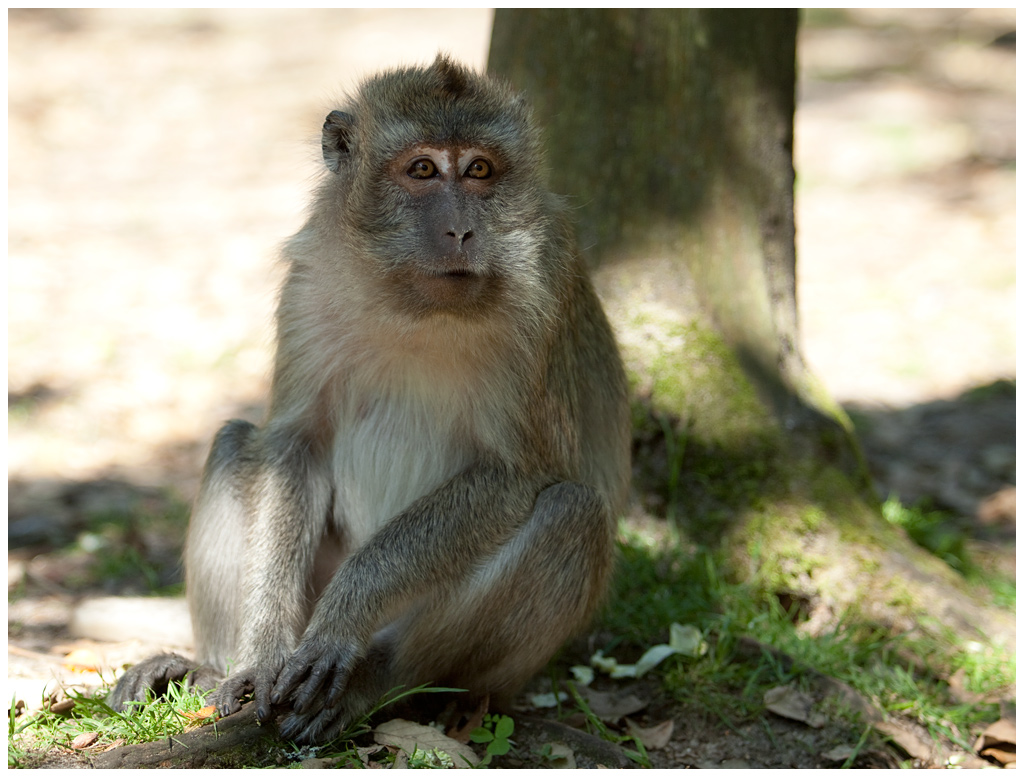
(526, 600)
(252, 551)
(492, 630)
(217, 546)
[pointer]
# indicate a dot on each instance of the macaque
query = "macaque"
(433, 495)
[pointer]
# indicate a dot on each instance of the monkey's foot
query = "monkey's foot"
(153, 674)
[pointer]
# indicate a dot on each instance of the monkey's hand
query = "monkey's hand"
(313, 680)
(318, 670)
(257, 680)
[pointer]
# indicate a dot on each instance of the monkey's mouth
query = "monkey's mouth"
(451, 288)
(454, 276)
(453, 265)
(455, 269)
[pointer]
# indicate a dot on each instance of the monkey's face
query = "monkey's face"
(440, 248)
(451, 227)
(438, 186)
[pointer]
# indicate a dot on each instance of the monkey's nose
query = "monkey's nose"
(460, 235)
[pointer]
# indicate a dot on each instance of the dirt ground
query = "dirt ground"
(157, 158)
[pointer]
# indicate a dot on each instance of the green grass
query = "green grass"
(597, 727)
(938, 533)
(931, 530)
(662, 582)
(157, 719)
(30, 737)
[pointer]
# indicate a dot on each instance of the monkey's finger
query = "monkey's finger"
(261, 694)
(228, 705)
(227, 698)
(310, 689)
(334, 729)
(291, 727)
(310, 728)
(296, 728)
(152, 674)
(336, 689)
(290, 678)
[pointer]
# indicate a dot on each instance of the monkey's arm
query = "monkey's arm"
(431, 546)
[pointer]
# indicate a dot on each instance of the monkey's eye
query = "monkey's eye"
(422, 168)
(479, 168)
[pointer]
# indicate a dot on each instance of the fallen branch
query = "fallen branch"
(212, 745)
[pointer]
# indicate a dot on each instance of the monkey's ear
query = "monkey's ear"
(339, 131)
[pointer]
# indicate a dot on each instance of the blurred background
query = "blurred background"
(158, 158)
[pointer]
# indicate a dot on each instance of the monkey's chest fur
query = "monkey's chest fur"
(392, 450)
(414, 400)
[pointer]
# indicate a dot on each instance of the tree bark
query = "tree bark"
(233, 742)
(672, 133)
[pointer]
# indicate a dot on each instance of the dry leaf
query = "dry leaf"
(102, 747)
(957, 686)
(62, 706)
(606, 664)
(364, 754)
(650, 659)
(84, 739)
(323, 763)
(1003, 730)
(543, 701)
(1004, 754)
(576, 720)
(401, 758)
(839, 753)
(912, 744)
(411, 736)
(999, 741)
(82, 660)
(205, 714)
(687, 640)
(787, 702)
(653, 738)
(612, 707)
(583, 675)
(475, 721)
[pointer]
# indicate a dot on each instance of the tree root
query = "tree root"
(224, 744)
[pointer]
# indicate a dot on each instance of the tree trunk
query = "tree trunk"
(671, 132)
